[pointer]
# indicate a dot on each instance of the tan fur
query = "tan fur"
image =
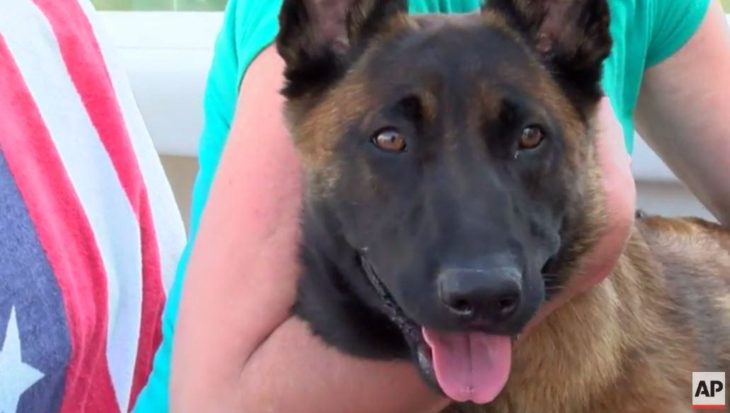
(315, 126)
(313, 134)
(616, 349)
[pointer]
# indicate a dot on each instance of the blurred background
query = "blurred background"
(166, 47)
(159, 5)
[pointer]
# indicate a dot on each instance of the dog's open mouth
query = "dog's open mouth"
(466, 366)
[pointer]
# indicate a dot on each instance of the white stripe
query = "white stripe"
(165, 213)
(31, 41)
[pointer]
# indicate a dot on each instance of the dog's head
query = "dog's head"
(452, 156)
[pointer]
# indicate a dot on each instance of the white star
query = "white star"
(15, 376)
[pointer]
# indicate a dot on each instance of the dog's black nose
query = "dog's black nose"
(481, 295)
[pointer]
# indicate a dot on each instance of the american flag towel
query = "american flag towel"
(89, 231)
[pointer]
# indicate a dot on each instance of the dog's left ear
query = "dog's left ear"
(571, 36)
(318, 38)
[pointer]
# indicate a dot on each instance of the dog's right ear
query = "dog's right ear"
(317, 38)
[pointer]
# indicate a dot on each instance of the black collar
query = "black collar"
(391, 309)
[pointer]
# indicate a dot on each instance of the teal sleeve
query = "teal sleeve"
(249, 26)
(673, 24)
(443, 6)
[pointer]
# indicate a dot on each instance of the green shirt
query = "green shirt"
(644, 32)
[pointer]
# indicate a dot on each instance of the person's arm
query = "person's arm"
(683, 113)
(236, 347)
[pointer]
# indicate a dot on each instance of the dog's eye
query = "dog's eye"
(532, 137)
(390, 140)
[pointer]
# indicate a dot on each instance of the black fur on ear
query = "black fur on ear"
(317, 38)
(571, 36)
(367, 17)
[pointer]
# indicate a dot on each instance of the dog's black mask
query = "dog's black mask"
(445, 161)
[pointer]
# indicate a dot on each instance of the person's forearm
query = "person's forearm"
(294, 372)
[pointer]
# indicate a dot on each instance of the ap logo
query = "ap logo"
(708, 390)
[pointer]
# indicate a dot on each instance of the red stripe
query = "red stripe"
(67, 238)
(708, 406)
(87, 69)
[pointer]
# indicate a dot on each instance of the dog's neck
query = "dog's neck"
(588, 341)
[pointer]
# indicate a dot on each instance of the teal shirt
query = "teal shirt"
(645, 32)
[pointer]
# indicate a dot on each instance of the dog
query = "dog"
(451, 187)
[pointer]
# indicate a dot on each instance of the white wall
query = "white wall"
(669, 199)
(659, 191)
(167, 56)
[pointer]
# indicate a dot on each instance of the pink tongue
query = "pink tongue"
(470, 366)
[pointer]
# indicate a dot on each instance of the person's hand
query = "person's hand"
(619, 195)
